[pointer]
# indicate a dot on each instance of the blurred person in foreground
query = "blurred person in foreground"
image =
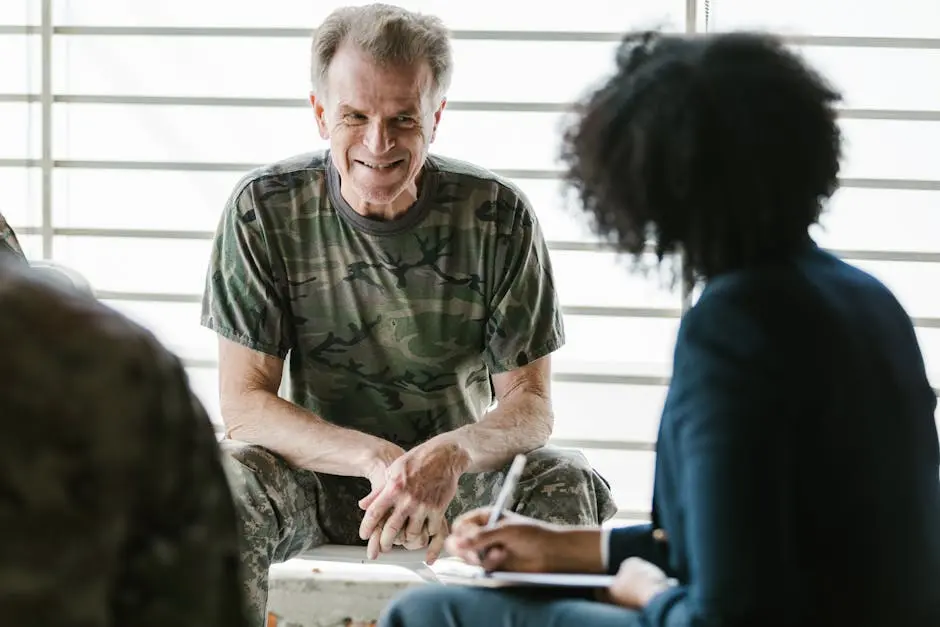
(797, 459)
(404, 292)
(42, 268)
(114, 507)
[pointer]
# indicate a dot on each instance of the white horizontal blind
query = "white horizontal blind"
(152, 111)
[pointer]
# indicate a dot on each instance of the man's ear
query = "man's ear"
(319, 112)
(437, 118)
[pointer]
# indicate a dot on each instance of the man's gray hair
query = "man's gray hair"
(390, 35)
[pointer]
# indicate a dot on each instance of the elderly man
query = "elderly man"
(114, 507)
(408, 289)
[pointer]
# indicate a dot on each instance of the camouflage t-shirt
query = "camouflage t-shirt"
(392, 327)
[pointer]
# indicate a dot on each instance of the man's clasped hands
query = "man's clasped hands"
(410, 494)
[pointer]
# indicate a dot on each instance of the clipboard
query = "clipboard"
(451, 571)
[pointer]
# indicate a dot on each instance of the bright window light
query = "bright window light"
(152, 127)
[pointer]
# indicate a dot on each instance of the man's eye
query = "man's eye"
(354, 117)
(405, 120)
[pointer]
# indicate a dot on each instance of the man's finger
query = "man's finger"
(435, 522)
(416, 523)
(393, 526)
(372, 550)
(378, 510)
(434, 549)
(367, 500)
(416, 543)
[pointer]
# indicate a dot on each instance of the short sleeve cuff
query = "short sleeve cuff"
(508, 365)
(605, 548)
(240, 338)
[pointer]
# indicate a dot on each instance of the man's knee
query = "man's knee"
(256, 460)
(558, 468)
(262, 484)
(563, 487)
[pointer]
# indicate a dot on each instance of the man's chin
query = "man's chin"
(385, 195)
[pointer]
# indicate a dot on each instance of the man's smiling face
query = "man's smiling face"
(380, 121)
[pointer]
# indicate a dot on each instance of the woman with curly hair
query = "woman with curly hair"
(797, 459)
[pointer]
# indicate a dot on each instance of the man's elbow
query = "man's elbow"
(241, 411)
(543, 423)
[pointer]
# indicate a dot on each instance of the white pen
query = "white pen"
(505, 493)
(502, 500)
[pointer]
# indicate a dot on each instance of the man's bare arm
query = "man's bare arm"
(253, 413)
(521, 422)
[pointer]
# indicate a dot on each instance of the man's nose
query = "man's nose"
(378, 139)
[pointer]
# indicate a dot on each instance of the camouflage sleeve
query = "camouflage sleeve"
(8, 242)
(182, 564)
(242, 300)
(525, 321)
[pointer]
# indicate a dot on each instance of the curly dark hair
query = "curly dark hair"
(721, 146)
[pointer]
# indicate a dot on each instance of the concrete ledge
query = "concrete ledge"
(411, 560)
(306, 593)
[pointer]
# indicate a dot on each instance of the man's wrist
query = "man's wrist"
(378, 455)
(457, 448)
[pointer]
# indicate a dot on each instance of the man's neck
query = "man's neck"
(384, 212)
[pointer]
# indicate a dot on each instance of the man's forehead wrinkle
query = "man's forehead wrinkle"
(392, 93)
(379, 101)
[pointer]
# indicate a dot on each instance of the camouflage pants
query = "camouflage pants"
(285, 511)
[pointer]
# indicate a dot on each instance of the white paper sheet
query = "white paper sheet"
(553, 579)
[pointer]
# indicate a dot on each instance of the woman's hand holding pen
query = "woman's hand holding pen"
(520, 544)
(516, 543)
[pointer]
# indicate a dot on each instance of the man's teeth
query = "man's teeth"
(379, 166)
